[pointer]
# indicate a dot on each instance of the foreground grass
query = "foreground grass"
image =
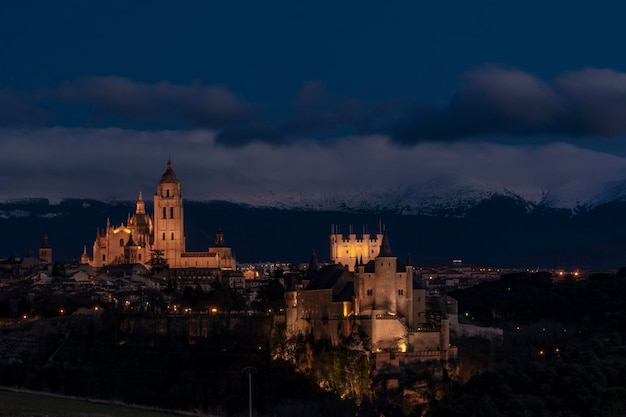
(19, 403)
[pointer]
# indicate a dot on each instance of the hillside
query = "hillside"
(500, 231)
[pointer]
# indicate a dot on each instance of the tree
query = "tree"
(157, 262)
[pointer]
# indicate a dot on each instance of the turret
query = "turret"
(84, 258)
(45, 251)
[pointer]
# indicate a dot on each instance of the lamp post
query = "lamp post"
(249, 370)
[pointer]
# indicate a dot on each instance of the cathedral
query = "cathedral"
(164, 231)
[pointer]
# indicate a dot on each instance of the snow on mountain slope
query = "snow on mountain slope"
(438, 196)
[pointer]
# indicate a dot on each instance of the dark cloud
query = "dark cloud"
(195, 105)
(318, 115)
(240, 136)
(501, 101)
(598, 101)
(18, 109)
(490, 101)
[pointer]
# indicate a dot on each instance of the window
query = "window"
(168, 193)
(370, 292)
(104, 258)
(164, 212)
(139, 256)
(163, 235)
(172, 235)
(400, 292)
(121, 242)
(171, 212)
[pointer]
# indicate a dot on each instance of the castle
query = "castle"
(378, 299)
(136, 241)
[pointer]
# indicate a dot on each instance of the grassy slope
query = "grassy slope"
(14, 403)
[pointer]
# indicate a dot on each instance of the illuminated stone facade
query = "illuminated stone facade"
(134, 241)
(350, 250)
(379, 298)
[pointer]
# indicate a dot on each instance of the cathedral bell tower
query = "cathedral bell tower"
(169, 234)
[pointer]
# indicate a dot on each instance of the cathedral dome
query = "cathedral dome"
(169, 175)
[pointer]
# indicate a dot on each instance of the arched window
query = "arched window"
(167, 193)
(163, 235)
(171, 212)
(164, 212)
(172, 235)
(121, 242)
(139, 256)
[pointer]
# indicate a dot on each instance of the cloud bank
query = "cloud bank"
(489, 102)
(115, 164)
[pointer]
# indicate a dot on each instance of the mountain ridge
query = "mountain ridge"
(500, 231)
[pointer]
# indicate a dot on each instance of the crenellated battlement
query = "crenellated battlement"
(349, 249)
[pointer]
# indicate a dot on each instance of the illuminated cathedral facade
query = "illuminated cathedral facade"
(142, 235)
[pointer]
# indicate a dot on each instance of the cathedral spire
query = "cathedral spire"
(140, 207)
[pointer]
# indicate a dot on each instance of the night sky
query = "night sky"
(254, 100)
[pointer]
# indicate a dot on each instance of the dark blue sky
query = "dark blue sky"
(114, 88)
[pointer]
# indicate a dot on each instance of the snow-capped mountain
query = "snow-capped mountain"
(440, 196)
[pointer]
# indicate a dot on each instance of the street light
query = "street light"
(249, 370)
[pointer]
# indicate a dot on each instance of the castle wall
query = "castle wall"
(419, 307)
(387, 332)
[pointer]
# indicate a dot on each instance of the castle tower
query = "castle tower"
(45, 251)
(169, 235)
(291, 310)
(385, 289)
